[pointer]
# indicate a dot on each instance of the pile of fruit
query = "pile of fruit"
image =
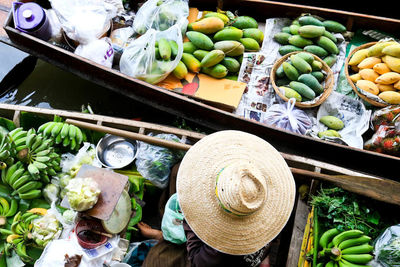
(300, 77)
(313, 35)
(376, 70)
(217, 43)
(334, 125)
(348, 248)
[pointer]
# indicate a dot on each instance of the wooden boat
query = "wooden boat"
(210, 116)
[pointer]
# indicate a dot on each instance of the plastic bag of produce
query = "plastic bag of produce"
(385, 116)
(387, 247)
(82, 193)
(99, 51)
(144, 61)
(172, 222)
(160, 15)
(286, 116)
(155, 162)
(84, 20)
(385, 140)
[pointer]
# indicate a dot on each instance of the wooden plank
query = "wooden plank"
(300, 221)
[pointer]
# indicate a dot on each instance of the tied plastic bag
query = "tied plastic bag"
(387, 247)
(161, 15)
(84, 20)
(155, 162)
(287, 117)
(172, 222)
(139, 59)
(99, 51)
(385, 140)
(385, 116)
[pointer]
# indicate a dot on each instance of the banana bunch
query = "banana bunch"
(18, 138)
(20, 233)
(7, 209)
(63, 133)
(6, 151)
(37, 152)
(19, 179)
(345, 249)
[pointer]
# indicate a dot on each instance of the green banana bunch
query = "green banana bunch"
(7, 152)
(345, 249)
(63, 133)
(7, 209)
(18, 138)
(39, 156)
(19, 179)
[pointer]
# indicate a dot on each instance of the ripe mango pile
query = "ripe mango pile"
(377, 70)
(216, 45)
(310, 34)
(301, 77)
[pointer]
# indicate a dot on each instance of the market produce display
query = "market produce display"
(376, 70)
(312, 34)
(216, 44)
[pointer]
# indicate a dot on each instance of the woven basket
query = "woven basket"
(328, 86)
(347, 73)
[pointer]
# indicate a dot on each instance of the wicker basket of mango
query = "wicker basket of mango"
(373, 71)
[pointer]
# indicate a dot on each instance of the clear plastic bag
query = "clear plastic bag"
(287, 117)
(139, 58)
(84, 20)
(387, 247)
(161, 15)
(385, 116)
(99, 51)
(172, 222)
(154, 162)
(385, 140)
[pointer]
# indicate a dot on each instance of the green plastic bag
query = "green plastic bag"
(172, 222)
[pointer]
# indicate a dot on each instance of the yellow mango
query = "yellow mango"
(368, 74)
(208, 25)
(368, 86)
(392, 50)
(390, 97)
(358, 56)
(385, 87)
(381, 68)
(392, 62)
(369, 62)
(376, 49)
(355, 77)
(388, 78)
(397, 85)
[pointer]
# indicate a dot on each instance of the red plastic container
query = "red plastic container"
(89, 239)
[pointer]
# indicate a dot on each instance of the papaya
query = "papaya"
(189, 47)
(290, 71)
(180, 71)
(327, 44)
(299, 41)
(200, 54)
(290, 93)
(221, 16)
(302, 89)
(256, 34)
(310, 20)
(230, 48)
(300, 64)
(228, 34)
(316, 50)
(231, 64)
(200, 40)
(208, 25)
(245, 22)
(250, 45)
(218, 71)
(311, 82)
(334, 26)
(212, 58)
(311, 31)
(192, 63)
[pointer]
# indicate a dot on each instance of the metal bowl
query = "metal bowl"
(116, 152)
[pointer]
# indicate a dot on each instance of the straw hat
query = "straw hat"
(235, 191)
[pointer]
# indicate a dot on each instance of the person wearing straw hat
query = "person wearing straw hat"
(236, 193)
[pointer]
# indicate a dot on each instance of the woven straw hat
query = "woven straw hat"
(235, 191)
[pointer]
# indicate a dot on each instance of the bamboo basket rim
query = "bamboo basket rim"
(329, 81)
(353, 86)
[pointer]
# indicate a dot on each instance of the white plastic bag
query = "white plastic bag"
(84, 20)
(286, 116)
(161, 15)
(99, 51)
(139, 58)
